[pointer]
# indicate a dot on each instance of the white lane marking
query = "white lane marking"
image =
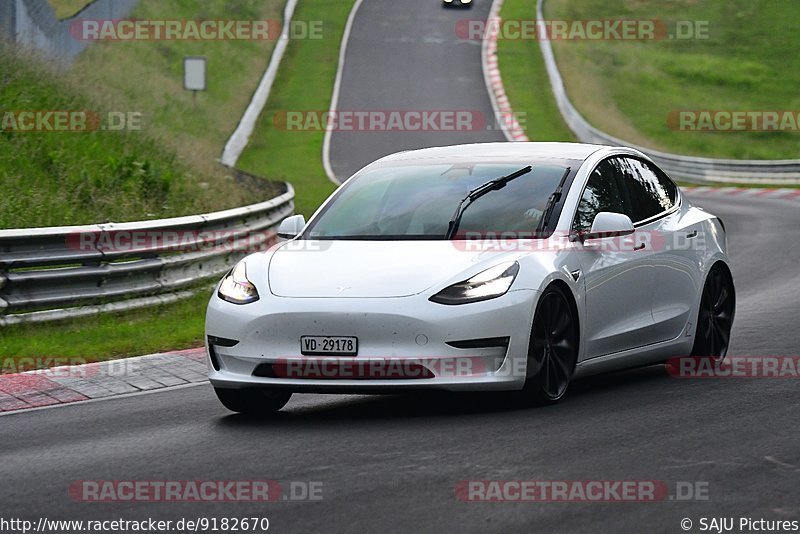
(241, 135)
(692, 464)
(326, 143)
(775, 461)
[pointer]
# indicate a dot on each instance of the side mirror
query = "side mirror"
(607, 224)
(291, 227)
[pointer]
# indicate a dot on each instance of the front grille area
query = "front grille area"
(332, 369)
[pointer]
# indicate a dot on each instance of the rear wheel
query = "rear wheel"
(253, 401)
(553, 348)
(715, 318)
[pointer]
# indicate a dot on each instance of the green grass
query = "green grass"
(107, 336)
(628, 88)
(526, 82)
(304, 83)
(168, 168)
(54, 178)
(67, 8)
(147, 76)
(165, 170)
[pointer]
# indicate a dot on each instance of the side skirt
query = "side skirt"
(638, 357)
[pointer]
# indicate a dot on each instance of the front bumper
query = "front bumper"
(394, 334)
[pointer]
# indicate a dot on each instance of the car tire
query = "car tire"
(253, 401)
(715, 316)
(552, 350)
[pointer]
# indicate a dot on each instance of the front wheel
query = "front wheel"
(553, 348)
(715, 317)
(253, 401)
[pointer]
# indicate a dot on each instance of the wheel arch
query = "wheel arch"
(573, 305)
(722, 264)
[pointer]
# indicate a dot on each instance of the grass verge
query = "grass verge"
(168, 166)
(526, 82)
(65, 177)
(147, 77)
(67, 8)
(107, 336)
(77, 182)
(304, 83)
(628, 88)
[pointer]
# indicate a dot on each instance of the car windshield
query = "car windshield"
(417, 201)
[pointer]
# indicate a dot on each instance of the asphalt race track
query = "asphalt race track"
(392, 463)
(407, 56)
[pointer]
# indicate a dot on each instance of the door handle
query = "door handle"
(692, 234)
(639, 247)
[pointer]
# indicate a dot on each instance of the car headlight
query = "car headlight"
(488, 284)
(236, 288)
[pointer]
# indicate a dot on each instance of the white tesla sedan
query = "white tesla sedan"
(501, 266)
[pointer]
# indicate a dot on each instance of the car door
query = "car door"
(617, 272)
(675, 267)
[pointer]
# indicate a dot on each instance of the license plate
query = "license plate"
(328, 346)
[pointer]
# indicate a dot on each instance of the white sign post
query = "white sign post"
(194, 74)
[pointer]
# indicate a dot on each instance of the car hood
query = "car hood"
(379, 269)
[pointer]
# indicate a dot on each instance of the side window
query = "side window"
(649, 196)
(667, 184)
(602, 193)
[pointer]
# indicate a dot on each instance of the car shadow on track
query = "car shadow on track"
(335, 409)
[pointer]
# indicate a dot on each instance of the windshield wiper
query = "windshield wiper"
(478, 192)
(551, 203)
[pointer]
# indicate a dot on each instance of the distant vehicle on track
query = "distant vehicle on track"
(498, 266)
(457, 3)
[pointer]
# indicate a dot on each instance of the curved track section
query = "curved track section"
(392, 463)
(408, 57)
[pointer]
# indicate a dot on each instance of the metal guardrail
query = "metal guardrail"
(72, 271)
(687, 168)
